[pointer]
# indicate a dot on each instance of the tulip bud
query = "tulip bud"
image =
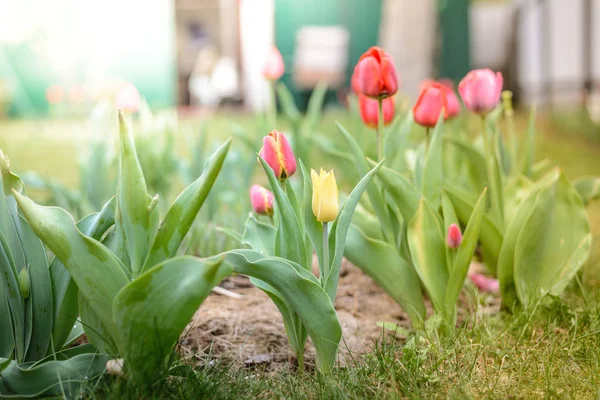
(369, 110)
(274, 67)
(277, 152)
(24, 283)
(325, 201)
(375, 74)
(431, 103)
(480, 90)
(453, 103)
(507, 103)
(262, 200)
(454, 236)
(128, 98)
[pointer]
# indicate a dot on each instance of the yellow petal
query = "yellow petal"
(328, 199)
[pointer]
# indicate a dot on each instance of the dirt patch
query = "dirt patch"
(249, 331)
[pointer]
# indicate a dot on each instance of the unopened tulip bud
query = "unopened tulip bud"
(274, 67)
(431, 103)
(24, 283)
(369, 110)
(454, 236)
(277, 152)
(480, 90)
(507, 103)
(375, 74)
(262, 200)
(325, 202)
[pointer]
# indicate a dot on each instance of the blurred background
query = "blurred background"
(59, 58)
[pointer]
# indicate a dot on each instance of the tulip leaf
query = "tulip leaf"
(396, 140)
(94, 268)
(96, 331)
(152, 310)
(405, 195)
(288, 105)
(588, 188)
(431, 186)
(290, 239)
(374, 191)
(60, 378)
(184, 210)
(315, 106)
(13, 298)
(133, 201)
(464, 254)
(302, 292)
(389, 269)
(528, 154)
(339, 230)
(259, 236)
(475, 162)
(7, 342)
(554, 242)
(428, 252)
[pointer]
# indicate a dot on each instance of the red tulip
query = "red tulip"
(454, 237)
(262, 200)
(276, 151)
(431, 103)
(451, 98)
(369, 110)
(484, 283)
(480, 90)
(375, 75)
(274, 67)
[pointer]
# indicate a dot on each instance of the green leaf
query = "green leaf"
(290, 239)
(133, 201)
(63, 378)
(389, 269)
(588, 188)
(259, 236)
(339, 230)
(404, 194)
(433, 170)
(302, 292)
(96, 331)
(396, 141)
(464, 254)
(315, 106)
(13, 299)
(528, 155)
(7, 342)
(93, 267)
(428, 252)
(184, 210)
(152, 311)
(286, 99)
(474, 161)
(554, 242)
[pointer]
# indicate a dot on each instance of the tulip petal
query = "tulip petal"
(269, 154)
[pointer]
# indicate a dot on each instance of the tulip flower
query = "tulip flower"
(451, 98)
(484, 283)
(369, 110)
(277, 152)
(325, 201)
(128, 98)
(262, 200)
(454, 237)
(375, 74)
(480, 90)
(274, 67)
(431, 103)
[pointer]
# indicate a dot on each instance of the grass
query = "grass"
(550, 352)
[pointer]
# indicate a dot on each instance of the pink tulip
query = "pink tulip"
(454, 237)
(431, 103)
(262, 200)
(375, 74)
(55, 94)
(277, 152)
(274, 67)
(369, 110)
(128, 98)
(480, 90)
(484, 283)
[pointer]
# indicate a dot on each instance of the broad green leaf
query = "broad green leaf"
(431, 186)
(133, 201)
(339, 230)
(366, 222)
(588, 188)
(553, 243)
(428, 252)
(396, 141)
(302, 292)
(389, 269)
(96, 331)
(474, 161)
(464, 254)
(374, 192)
(152, 311)
(528, 155)
(16, 306)
(62, 378)
(93, 267)
(259, 236)
(490, 235)
(96, 183)
(184, 210)
(290, 239)
(405, 195)
(7, 342)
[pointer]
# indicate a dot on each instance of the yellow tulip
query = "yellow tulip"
(325, 202)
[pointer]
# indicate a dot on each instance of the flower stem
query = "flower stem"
(427, 135)
(380, 130)
(271, 220)
(325, 251)
(272, 105)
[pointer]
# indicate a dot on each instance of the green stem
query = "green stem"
(300, 362)
(325, 270)
(427, 135)
(380, 130)
(513, 141)
(271, 220)
(272, 105)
